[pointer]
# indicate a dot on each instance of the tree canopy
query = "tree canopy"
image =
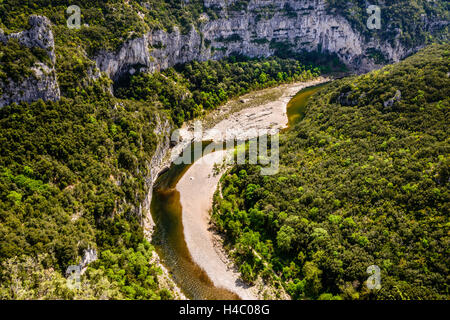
(364, 180)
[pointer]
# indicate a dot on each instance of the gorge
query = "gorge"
(259, 30)
(87, 115)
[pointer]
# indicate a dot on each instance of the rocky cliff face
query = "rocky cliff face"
(43, 83)
(264, 27)
(160, 160)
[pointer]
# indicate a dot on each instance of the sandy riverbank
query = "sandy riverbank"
(198, 185)
(269, 115)
(197, 189)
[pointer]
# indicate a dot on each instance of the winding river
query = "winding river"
(167, 213)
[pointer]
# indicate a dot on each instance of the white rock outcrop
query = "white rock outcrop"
(43, 83)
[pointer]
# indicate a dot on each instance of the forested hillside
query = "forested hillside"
(412, 22)
(72, 174)
(107, 24)
(364, 180)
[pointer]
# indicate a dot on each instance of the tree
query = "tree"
(285, 238)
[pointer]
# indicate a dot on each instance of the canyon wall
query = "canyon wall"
(254, 28)
(42, 84)
(160, 160)
(264, 27)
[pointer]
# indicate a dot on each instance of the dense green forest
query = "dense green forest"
(106, 24)
(189, 90)
(72, 172)
(364, 180)
(16, 60)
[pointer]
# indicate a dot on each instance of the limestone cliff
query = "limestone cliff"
(264, 27)
(259, 28)
(160, 160)
(42, 84)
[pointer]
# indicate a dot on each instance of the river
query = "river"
(169, 236)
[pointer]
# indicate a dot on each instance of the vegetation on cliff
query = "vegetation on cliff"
(189, 90)
(412, 22)
(72, 177)
(105, 24)
(16, 60)
(73, 172)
